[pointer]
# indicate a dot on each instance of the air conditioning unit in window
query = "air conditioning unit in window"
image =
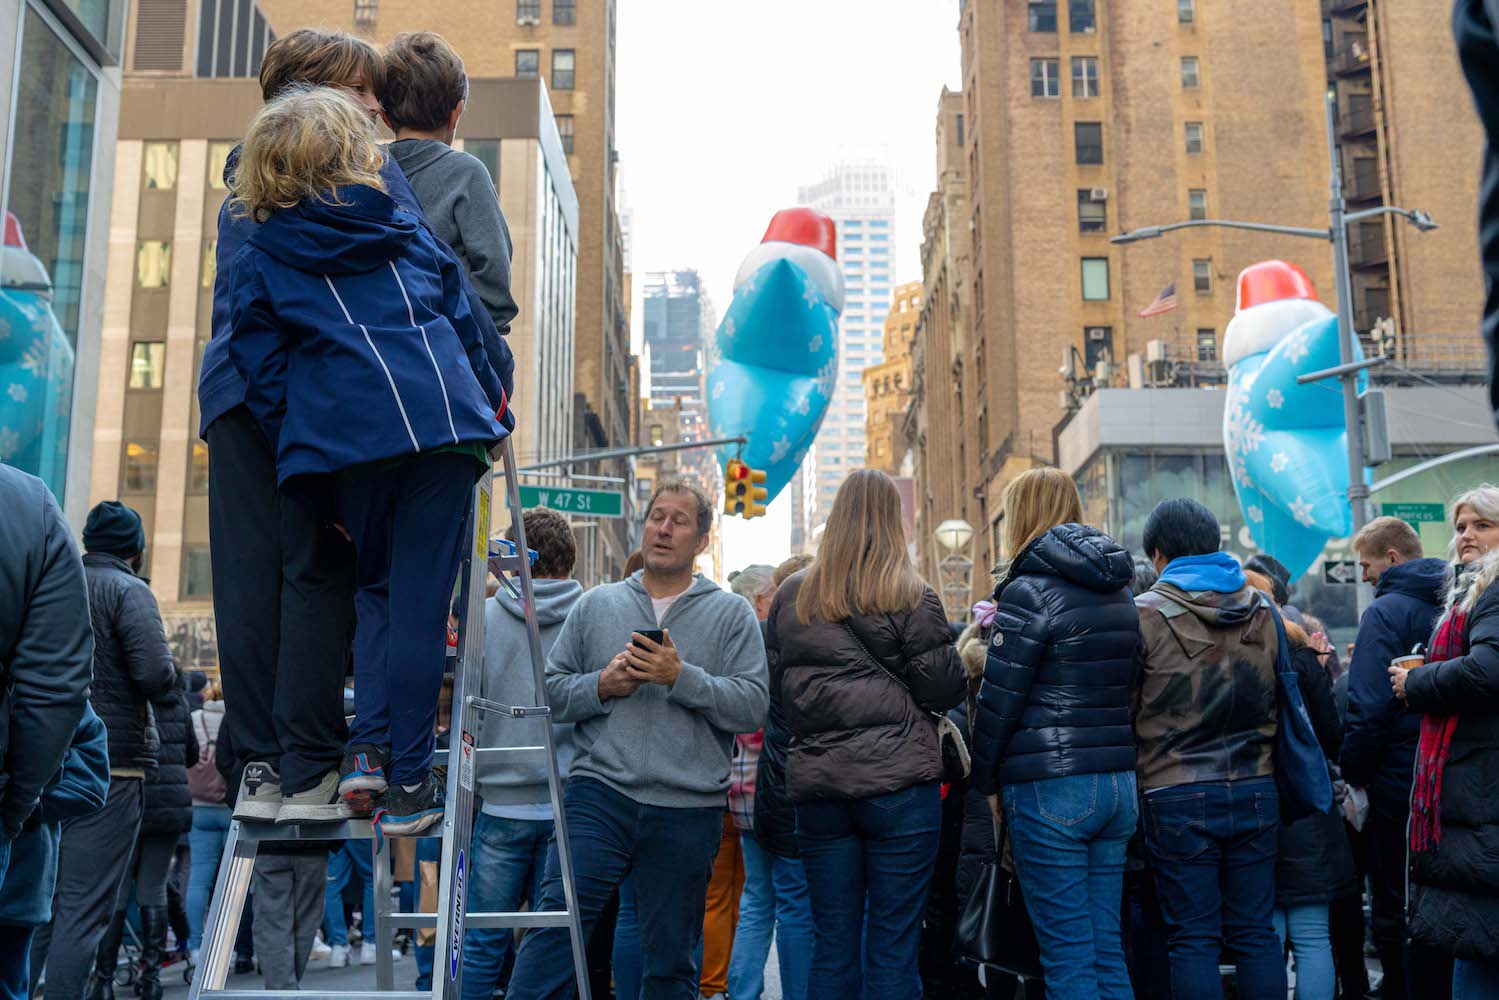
(528, 22)
(1098, 194)
(1097, 333)
(1155, 350)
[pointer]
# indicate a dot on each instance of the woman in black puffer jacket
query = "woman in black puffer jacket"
(860, 656)
(1052, 729)
(168, 814)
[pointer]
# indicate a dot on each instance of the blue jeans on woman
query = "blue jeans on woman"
(775, 901)
(869, 861)
(349, 858)
(1312, 945)
(510, 857)
(1069, 836)
(206, 845)
(1473, 979)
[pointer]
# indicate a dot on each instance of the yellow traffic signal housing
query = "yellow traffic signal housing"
(758, 495)
(736, 487)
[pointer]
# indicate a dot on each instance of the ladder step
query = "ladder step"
(316, 994)
(544, 918)
(349, 829)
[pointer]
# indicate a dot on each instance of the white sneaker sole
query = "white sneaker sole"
(314, 812)
(258, 810)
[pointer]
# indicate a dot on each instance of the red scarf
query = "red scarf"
(1436, 742)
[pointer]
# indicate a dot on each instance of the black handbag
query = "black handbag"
(995, 928)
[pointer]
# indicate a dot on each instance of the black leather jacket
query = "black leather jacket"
(1055, 700)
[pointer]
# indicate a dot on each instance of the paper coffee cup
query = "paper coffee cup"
(1410, 662)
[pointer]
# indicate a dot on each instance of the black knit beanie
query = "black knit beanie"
(115, 530)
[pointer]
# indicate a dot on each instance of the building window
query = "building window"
(527, 64)
(1092, 216)
(1194, 137)
(1081, 17)
(1095, 279)
(1197, 203)
(1202, 276)
(1043, 15)
(1191, 79)
(487, 152)
(1044, 81)
(1186, 11)
(564, 11)
(210, 268)
(218, 156)
(562, 69)
(1088, 138)
(565, 130)
(140, 467)
(153, 264)
(147, 359)
(528, 10)
(197, 478)
(366, 14)
(160, 161)
(1207, 345)
(1084, 76)
(197, 572)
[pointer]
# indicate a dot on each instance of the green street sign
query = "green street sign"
(1415, 514)
(593, 503)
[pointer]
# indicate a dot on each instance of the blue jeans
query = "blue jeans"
(1312, 946)
(1212, 848)
(1069, 836)
(206, 845)
(427, 849)
(869, 860)
(348, 859)
(509, 861)
(15, 961)
(775, 900)
(669, 851)
(1475, 980)
(628, 971)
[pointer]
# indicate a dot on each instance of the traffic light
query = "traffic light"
(742, 493)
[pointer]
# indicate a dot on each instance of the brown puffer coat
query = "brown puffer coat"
(855, 732)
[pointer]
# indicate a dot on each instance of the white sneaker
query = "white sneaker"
(368, 953)
(340, 957)
(320, 950)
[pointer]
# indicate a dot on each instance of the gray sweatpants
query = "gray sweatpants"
(93, 861)
(289, 891)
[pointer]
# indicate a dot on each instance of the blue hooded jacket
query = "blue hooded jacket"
(220, 387)
(1379, 746)
(352, 329)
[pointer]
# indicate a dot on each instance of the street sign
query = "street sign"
(593, 503)
(1415, 514)
(1340, 571)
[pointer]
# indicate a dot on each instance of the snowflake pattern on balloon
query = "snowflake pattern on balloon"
(1275, 399)
(1296, 347)
(781, 449)
(10, 443)
(812, 296)
(718, 389)
(728, 328)
(1255, 513)
(35, 360)
(1279, 462)
(1302, 512)
(17, 392)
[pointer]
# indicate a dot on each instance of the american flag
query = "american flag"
(1164, 302)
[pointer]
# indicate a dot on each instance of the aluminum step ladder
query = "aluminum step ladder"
(465, 759)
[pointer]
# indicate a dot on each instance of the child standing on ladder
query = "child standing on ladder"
(366, 370)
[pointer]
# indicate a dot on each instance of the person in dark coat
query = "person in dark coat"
(1052, 729)
(860, 656)
(1379, 746)
(1454, 839)
(46, 661)
(166, 816)
(775, 813)
(132, 669)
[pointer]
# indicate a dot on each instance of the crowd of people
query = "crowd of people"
(818, 758)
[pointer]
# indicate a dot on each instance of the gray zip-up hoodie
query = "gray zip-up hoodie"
(458, 197)
(659, 746)
(516, 787)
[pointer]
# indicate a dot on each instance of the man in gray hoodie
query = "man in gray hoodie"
(514, 828)
(655, 732)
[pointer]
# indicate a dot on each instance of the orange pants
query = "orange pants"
(722, 912)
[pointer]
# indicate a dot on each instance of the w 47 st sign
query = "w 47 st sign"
(590, 503)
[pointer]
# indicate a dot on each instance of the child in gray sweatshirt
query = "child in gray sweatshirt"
(423, 96)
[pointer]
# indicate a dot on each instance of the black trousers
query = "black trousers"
(283, 601)
(1410, 970)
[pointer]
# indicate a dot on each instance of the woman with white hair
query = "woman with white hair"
(1454, 828)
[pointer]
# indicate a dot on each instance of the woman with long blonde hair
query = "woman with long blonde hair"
(1052, 732)
(861, 657)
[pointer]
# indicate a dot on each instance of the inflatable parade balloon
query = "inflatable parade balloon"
(1287, 444)
(36, 366)
(776, 352)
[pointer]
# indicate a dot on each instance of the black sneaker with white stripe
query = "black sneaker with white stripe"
(407, 812)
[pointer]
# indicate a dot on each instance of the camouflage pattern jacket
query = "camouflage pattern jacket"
(1205, 697)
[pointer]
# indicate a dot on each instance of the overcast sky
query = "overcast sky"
(724, 108)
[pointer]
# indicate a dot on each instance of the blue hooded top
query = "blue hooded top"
(353, 331)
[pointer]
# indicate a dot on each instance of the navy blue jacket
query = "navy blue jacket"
(1055, 700)
(350, 326)
(46, 643)
(78, 788)
(220, 387)
(1379, 748)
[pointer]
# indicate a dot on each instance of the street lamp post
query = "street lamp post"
(956, 568)
(1338, 221)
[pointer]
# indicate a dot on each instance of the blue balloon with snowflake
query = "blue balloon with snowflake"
(776, 352)
(1287, 444)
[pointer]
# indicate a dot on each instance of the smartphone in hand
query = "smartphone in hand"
(656, 635)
